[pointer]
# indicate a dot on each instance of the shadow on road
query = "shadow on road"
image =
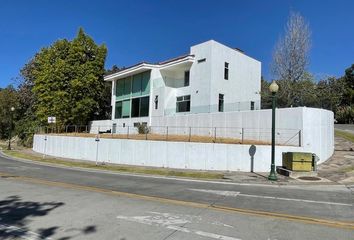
(16, 214)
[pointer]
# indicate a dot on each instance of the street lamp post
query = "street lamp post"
(12, 109)
(273, 89)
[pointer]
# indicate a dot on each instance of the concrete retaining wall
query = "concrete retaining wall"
(311, 127)
(182, 155)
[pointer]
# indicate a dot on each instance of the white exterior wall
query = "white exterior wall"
(156, 89)
(243, 84)
(182, 155)
(319, 126)
(316, 126)
(200, 78)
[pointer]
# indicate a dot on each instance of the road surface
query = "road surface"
(46, 202)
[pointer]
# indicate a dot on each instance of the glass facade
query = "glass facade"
(132, 96)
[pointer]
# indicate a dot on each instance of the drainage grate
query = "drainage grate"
(309, 178)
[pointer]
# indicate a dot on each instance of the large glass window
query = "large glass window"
(122, 109)
(118, 113)
(183, 103)
(144, 106)
(145, 83)
(126, 109)
(127, 87)
(123, 89)
(136, 91)
(140, 107)
(119, 88)
(128, 93)
(136, 85)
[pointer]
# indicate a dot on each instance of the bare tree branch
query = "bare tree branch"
(291, 53)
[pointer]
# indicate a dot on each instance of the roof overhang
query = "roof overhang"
(172, 65)
(142, 67)
(182, 63)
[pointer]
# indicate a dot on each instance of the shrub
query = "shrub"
(345, 114)
(142, 128)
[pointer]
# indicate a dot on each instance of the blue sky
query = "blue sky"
(157, 30)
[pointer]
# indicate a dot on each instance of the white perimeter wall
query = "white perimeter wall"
(316, 126)
(182, 155)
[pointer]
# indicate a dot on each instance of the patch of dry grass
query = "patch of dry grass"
(346, 135)
(170, 137)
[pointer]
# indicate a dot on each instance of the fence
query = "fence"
(232, 135)
(214, 108)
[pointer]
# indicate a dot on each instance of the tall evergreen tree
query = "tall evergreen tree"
(68, 80)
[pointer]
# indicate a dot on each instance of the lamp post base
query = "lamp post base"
(272, 176)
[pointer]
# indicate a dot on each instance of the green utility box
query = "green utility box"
(298, 161)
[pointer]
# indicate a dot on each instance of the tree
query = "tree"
(68, 80)
(348, 98)
(291, 58)
(8, 99)
(114, 69)
(329, 93)
(291, 53)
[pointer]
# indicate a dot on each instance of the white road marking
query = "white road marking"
(217, 192)
(221, 224)
(174, 222)
(235, 194)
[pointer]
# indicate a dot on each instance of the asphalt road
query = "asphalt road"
(42, 202)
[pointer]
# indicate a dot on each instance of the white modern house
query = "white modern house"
(213, 91)
(212, 78)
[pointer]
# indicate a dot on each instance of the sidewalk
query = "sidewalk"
(340, 167)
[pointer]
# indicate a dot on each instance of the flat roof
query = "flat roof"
(144, 66)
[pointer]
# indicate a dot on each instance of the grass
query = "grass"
(118, 168)
(349, 169)
(345, 135)
(170, 137)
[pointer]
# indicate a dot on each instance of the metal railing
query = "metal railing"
(231, 135)
(214, 108)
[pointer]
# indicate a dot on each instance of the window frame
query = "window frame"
(186, 99)
(226, 71)
(156, 101)
(139, 105)
(252, 105)
(221, 102)
(186, 78)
